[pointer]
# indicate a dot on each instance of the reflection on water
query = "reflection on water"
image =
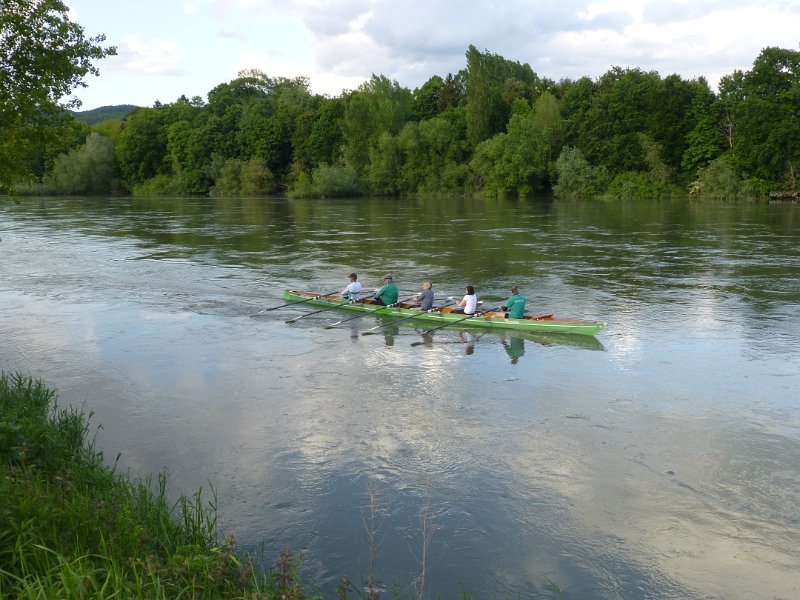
(658, 460)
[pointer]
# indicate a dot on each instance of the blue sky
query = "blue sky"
(173, 47)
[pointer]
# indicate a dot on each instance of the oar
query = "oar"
(369, 312)
(371, 330)
(296, 302)
(314, 312)
(472, 316)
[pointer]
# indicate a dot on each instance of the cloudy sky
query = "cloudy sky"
(172, 47)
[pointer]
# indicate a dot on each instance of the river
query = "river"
(658, 460)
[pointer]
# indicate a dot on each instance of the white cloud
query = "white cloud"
(150, 57)
(338, 44)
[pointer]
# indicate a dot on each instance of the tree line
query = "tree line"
(495, 127)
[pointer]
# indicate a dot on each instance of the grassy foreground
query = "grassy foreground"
(70, 527)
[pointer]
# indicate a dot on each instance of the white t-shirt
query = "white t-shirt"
(352, 289)
(470, 303)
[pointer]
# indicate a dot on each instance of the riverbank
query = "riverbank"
(70, 527)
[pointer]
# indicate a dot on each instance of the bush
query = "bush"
(335, 180)
(303, 187)
(719, 181)
(88, 169)
(637, 185)
(576, 178)
(244, 178)
(160, 185)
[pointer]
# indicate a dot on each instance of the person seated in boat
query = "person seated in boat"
(468, 304)
(514, 307)
(425, 297)
(352, 290)
(388, 294)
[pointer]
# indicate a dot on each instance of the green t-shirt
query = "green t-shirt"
(388, 293)
(516, 306)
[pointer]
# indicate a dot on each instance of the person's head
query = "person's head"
(387, 279)
(470, 290)
(426, 285)
(514, 289)
(353, 277)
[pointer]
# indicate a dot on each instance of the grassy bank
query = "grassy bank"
(70, 527)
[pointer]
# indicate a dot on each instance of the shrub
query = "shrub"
(637, 185)
(244, 178)
(89, 169)
(719, 181)
(160, 185)
(576, 178)
(335, 180)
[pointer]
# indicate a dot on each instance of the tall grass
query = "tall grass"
(70, 527)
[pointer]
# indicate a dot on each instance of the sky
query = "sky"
(168, 48)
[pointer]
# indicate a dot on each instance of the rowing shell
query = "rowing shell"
(440, 316)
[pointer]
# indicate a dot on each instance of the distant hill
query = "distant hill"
(104, 113)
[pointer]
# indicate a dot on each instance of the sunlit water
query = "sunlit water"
(661, 460)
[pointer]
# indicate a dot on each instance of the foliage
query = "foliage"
(44, 56)
(719, 181)
(518, 162)
(378, 106)
(90, 169)
(71, 528)
(244, 178)
(494, 127)
(158, 185)
(638, 185)
(335, 180)
(762, 106)
(576, 178)
(492, 85)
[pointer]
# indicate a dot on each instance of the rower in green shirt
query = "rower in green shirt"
(514, 307)
(388, 294)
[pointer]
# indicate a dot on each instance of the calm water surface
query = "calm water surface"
(660, 460)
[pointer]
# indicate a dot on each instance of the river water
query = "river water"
(659, 460)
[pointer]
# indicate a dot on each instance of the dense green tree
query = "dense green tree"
(325, 139)
(576, 178)
(44, 56)
(453, 92)
(492, 85)
(764, 105)
(377, 106)
(519, 161)
(425, 100)
(244, 178)
(704, 141)
(89, 169)
(142, 145)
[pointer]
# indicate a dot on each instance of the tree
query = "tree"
(90, 169)
(764, 105)
(377, 106)
(43, 57)
(493, 83)
(576, 177)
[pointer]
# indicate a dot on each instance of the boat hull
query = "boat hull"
(490, 320)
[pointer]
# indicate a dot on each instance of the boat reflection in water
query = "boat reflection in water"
(513, 342)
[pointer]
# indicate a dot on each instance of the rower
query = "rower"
(514, 307)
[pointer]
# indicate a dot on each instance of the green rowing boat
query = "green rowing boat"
(443, 315)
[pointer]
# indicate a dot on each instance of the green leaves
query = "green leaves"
(43, 57)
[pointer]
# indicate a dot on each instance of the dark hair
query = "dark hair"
(470, 290)
(514, 289)
(353, 276)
